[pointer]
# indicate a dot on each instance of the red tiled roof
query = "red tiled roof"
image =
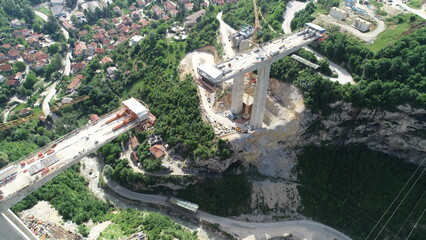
(5, 67)
(106, 60)
(13, 52)
(157, 150)
(75, 82)
(134, 143)
(94, 117)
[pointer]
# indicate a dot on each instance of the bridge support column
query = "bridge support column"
(237, 94)
(261, 90)
(12, 228)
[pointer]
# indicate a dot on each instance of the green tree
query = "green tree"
(19, 66)
(30, 80)
(4, 159)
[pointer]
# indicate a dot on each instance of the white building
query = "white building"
(338, 13)
(135, 40)
(210, 73)
(361, 25)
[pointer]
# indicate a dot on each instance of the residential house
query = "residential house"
(134, 157)
(134, 143)
(111, 71)
(34, 42)
(6, 46)
(41, 56)
(28, 57)
(169, 6)
(83, 32)
(158, 12)
(219, 2)
(127, 21)
(189, 6)
(136, 15)
(40, 64)
(22, 33)
(25, 111)
(90, 50)
(99, 50)
(173, 12)
(68, 25)
(5, 68)
(75, 83)
(106, 60)
(3, 57)
(15, 23)
(117, 10)
(79, 48)
(20, 47)
(132, 8)
(78, 66)
(94, 118)
(158, 151)
(13, 53)
(192, 19)
(141, 3)
(144, 22)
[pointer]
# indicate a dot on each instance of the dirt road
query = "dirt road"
(225, 32)
(292, 8)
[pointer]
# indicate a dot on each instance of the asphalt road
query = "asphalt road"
(305, 229)
(293, 7)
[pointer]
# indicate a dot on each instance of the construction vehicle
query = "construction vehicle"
(240, 130)
(14, 123)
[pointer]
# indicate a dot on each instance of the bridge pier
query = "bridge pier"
(237, 94)
(12, 228)
(260, 96)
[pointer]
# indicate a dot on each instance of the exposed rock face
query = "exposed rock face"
(401, 133)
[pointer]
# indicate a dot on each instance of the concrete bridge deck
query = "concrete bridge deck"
(252, 60)
(68, 151)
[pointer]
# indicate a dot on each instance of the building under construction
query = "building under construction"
(238, 38)
(131, 110)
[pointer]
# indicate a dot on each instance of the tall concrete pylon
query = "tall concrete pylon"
(237, 94)
(260, 96)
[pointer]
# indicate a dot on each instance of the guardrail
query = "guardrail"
(50, 144)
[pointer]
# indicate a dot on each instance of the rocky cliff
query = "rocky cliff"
(401, 133)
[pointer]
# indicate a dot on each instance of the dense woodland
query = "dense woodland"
(392, 76)
(68, 193)
(238, 14)
(349, 188)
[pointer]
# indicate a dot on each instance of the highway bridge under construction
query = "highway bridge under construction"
(33, 171)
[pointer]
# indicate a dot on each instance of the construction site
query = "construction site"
(236, 100)
(31, 172)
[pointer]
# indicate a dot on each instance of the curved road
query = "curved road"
(225, 31)
(304, 229)
(51, 91)
(295, 6)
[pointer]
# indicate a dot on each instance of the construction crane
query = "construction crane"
(14, 123)
(257, 26)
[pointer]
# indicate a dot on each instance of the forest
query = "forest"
(390, 77)
(68, 193)
(241, 13)
(350, 187)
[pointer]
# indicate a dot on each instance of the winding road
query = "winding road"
(225, 32)
(51, 91)
(292, 8)
(305, 229)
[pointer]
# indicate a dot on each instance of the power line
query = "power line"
(418, 220)
(372, 230)
(409, 215)
(394, 211)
